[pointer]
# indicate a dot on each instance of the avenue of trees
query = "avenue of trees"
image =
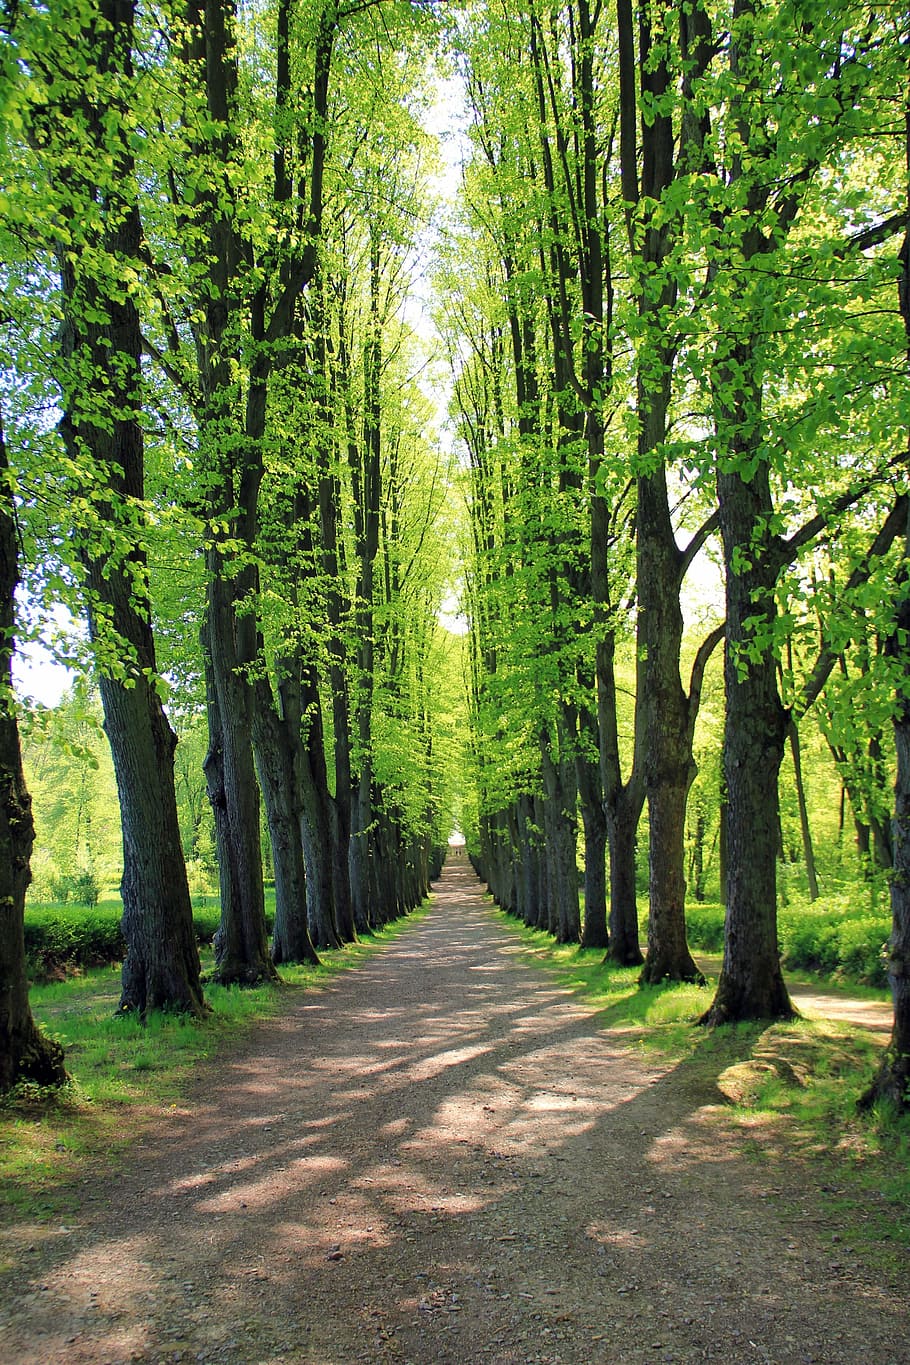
(673, 295)
(218, 454)
(684, 338)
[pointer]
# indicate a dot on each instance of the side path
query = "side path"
(438, 1158)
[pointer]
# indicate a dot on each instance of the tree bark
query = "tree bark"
(622, 828)
(805, 827)
(564, 916)
(590, 791)
(241, 943)
(751, 984)
(274, 749)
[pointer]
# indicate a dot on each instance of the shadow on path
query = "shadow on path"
(439, 1158)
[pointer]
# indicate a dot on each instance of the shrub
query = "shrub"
(59, 938)
(834, 937)
(705, 926)
(809, 944)
(206, 918)
(76, 888)
(862, 950)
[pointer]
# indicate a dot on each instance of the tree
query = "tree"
(79, 127)
(667, 711)
(25, 1054)
(892, 1081)
(761, 257)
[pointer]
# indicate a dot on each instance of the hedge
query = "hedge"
(61, 937)
(833, 937)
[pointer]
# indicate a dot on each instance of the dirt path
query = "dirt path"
(439, 1159)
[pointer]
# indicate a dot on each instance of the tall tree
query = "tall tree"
(79, 125)
(892, 1081)
(667, 710)
(760, 206)
(25, 1054)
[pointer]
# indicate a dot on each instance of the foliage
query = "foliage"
(835, 937)
(82, 888)
(74, 797)
(60, 939)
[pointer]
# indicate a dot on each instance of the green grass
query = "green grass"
(789, 1089)
(125, 1073)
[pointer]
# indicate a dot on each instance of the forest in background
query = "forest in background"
(671, 298)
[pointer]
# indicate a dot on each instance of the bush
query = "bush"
(808, 944)
(59, 938)
(863, 949)
(206, 918)
(705, 926)
(79, 888)
(834, 937)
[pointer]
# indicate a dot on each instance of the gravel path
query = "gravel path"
(439, 1158)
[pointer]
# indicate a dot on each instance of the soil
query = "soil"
(440, 1158)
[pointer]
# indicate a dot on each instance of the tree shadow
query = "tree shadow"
(444, 1151)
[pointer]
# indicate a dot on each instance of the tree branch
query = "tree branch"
(893, 526)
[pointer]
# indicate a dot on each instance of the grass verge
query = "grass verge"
(789, 1091)
(125, 1074)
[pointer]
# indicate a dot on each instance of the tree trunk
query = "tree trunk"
(161, 967)
(563, 913)
(805, 828)
(668, 956)
(590, 791)
(669, 766)
(751, 984)
(622, 828)
(241, 943)
(341, 729)
(25, 1054)
(274, 750)
(318, 830)
(524, 820)
(101, 348)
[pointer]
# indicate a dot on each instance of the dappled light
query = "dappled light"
(439, 1157)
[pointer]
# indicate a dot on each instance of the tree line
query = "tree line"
(683, 335)
(216, 448)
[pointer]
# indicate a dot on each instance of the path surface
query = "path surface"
(438, 1158)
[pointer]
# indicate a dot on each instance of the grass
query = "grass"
(125, 1073)
(789, 1089)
